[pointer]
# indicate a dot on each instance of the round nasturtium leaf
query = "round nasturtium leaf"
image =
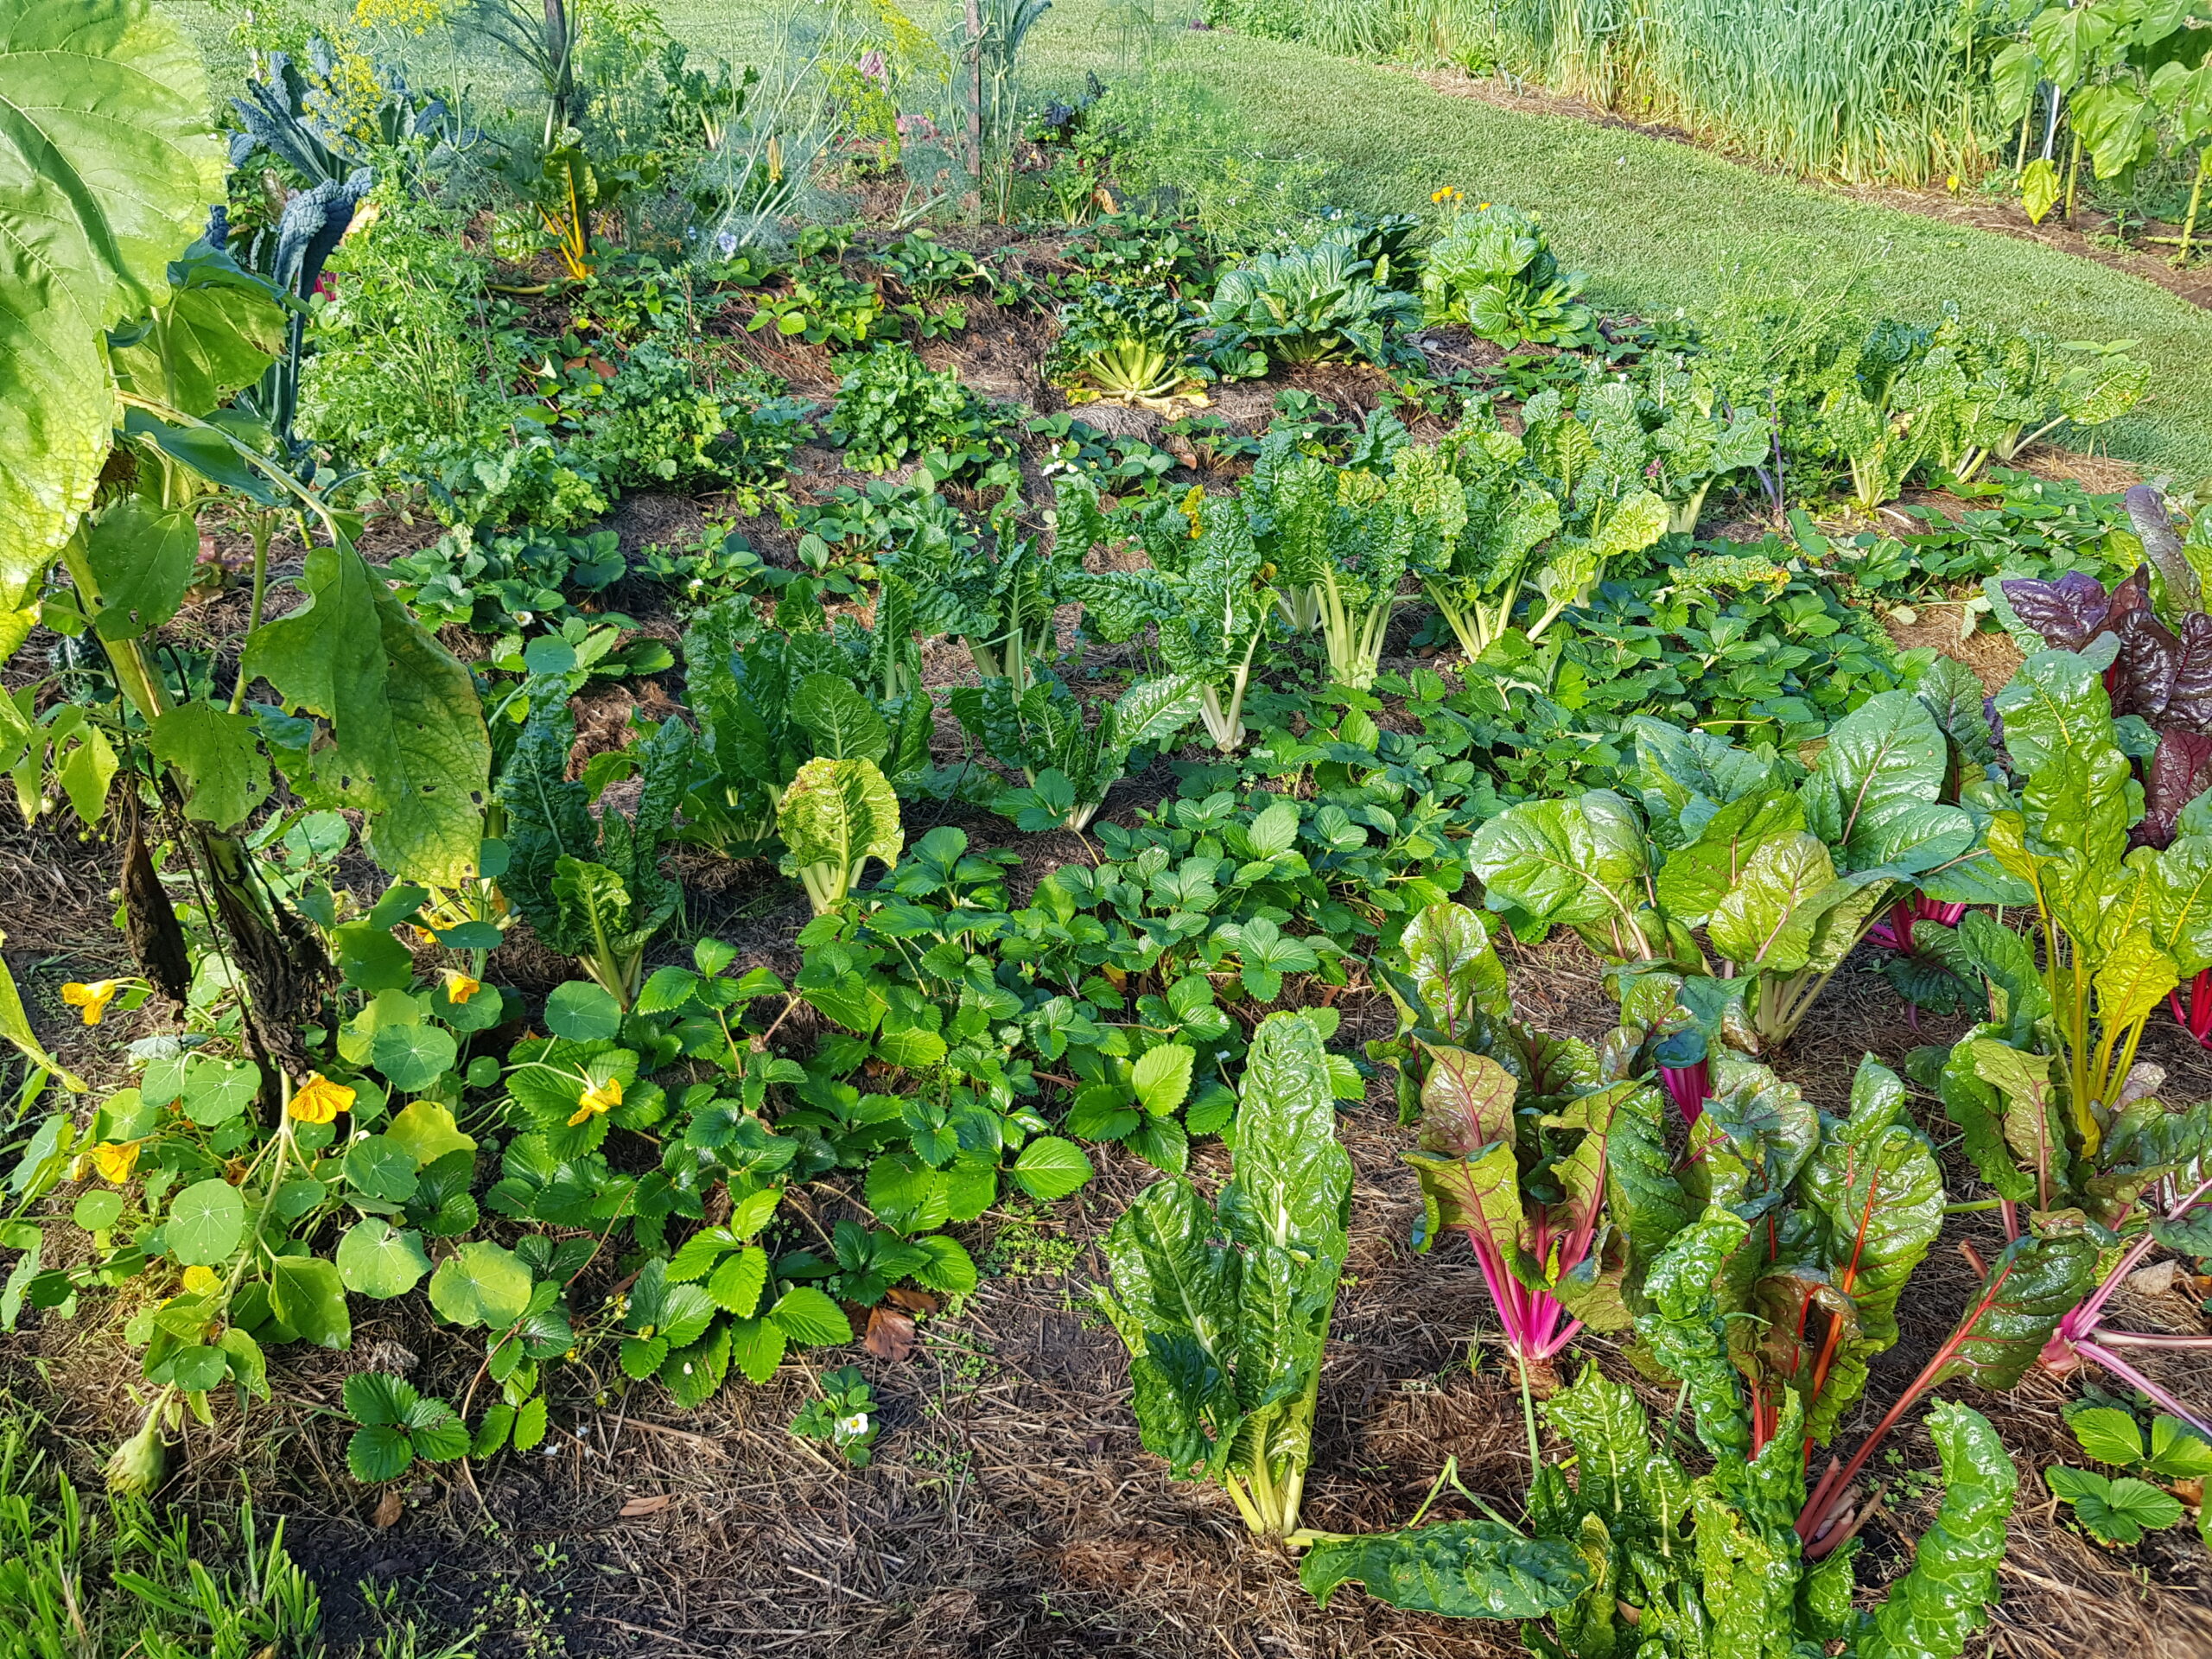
(375, 1260)
(546, 655)
(481, 1284)
(216, 1092)
(380, 1169)
(98, 1210)
(197, 1369)
(412, 1058)
(582, 1013)
(206, 1221)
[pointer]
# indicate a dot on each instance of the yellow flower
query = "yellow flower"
(318, 1100)
(423, 935)
(199, 1280)
(605, 1097)
(460, 987)
(93, 999)
(115, 1160)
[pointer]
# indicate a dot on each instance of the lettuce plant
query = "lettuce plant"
(1783, 876)
(1127, 346)
(1208, 594)
(1492, 271)
(590, 883)
(1067, 766)
(1342, 540)
(1314, 304)
(1225, 1307)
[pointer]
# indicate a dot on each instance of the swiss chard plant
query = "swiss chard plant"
(994, 592)
(1067, 765)
(769, 700)
(591, 885)
(1342, 541)
(1781, 874)
(835, 816)
(1209, 593)
(1224, 1306)
(1635, 1548)
(1526, 533)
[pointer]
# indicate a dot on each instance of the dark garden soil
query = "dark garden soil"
(1010, 1510)
(2092, 235)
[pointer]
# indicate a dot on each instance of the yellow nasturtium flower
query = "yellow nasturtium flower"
(92, 998)
(318, 1100)
(115, 1160)
(199, 1280)
(601, 1097)
(460, 987)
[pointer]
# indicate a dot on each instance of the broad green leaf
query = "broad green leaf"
(2108, 1434)
(217, 754)
(1766, 920)
(481, 1284)
(2179, 1451)
(1871, 793)
(96, 1209)
(408, 745)
(1454, 969)
(206, 1222)
(2113, 1510)
(217, 333)
(305, 1293)
(1686, 1332)
(1050, 1167)
(838, 814)
(1877, 1193)
(583, 1012)
(375, 1261)
(1462, 1569)
(426, 1132)
(108, 165)
(2028, 1114)
(141, 557)
(413, 1056)
(2029, 1287)
(374, 1398)
(378, 1453)
(2134, 978)
(379, 1168)
(1173, 1304)
(1696, 878)
(2181, 903)
(844, 723)
(1161, 1077)
(1292, 1177)
(1575, 863)
(806, 1315)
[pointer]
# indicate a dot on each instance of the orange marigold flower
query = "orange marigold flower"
(318, 1100)
(602, 1097)
(92, 998)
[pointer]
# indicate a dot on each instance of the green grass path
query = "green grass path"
(1654, 223)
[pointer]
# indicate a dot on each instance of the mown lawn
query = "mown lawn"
(1657, 225)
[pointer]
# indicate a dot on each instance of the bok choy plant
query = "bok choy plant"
(1207, 593)
(1314, 304)
(1128, 346)
(1225, 1307)
(1783, 875)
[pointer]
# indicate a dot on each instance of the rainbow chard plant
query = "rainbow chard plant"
(1525, 1184)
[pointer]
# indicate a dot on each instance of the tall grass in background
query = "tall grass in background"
(1867, 90)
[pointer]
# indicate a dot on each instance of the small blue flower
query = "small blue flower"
(727, 242)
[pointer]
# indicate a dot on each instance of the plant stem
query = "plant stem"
(263, 527)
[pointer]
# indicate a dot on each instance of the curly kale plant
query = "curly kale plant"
(1127, 346)
(1491, 271)
(1315, 304)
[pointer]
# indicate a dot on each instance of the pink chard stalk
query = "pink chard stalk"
(2195, 1015)
(1689, 1087)
(1470, 1167)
